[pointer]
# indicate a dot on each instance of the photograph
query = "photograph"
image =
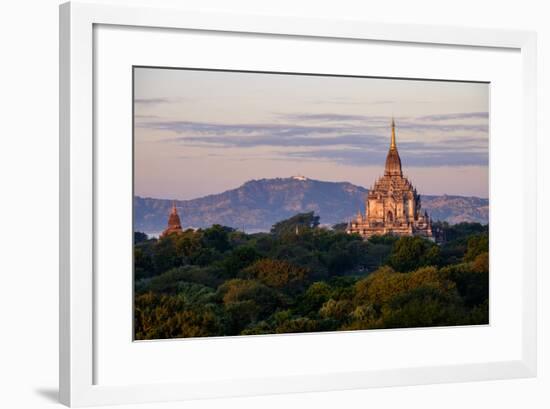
(287, 204)
(274, 203)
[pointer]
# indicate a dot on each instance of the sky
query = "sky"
(203, 132)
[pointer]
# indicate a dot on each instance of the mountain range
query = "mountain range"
(258, 204)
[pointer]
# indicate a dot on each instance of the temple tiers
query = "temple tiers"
(174, 223)
(393, 206)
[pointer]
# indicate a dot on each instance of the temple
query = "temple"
(174, 223)
(392, 205)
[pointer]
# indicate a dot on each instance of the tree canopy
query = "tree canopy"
(301, 277)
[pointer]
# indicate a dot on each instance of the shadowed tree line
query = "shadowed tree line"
(300, 277)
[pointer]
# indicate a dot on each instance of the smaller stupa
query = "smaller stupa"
(174, 223)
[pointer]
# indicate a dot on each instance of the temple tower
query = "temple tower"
(174, 223)
(393, 161)
(392, 205)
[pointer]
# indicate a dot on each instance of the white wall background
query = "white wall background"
(29, 189)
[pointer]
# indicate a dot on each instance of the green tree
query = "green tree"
(314, 297)
(386, 239)
(169, 281)
(423, 307)
(299, 223)
(472, 283)
(143, 262)
(411, 252)
(140, 237)
(381, 286)
(239, 259)
(238, 290)
(337, 310)
(481, 263)
(165, 255)
(346, 255)
(219, 281)
(189, 246)
(277, 273)
(476, 245)
(300, 324)
(163, 316)
(217, 237)
(241, 314)
(459, 231)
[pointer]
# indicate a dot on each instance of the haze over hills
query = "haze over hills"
(258, 204)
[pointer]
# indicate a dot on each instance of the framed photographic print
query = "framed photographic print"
(255, 250)
(255, 204)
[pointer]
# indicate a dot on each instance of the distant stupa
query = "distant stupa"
(174, 223)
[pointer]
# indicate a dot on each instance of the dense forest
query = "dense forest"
(301, 277)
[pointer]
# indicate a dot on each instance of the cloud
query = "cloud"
(289, 140)
(337, 101)
(356, 157)
(329, 117)
(140, 116)
(426, 123)
(211, 130)
(451, 140)
(348, 101)
(462, 115)
(447, 128)
(382, 102)
(158, 101)
(269, 134)
(151, 101)
(324, 117)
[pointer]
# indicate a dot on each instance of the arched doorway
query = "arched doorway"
(389, 217)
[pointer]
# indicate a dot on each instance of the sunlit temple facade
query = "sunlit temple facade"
(392, 206)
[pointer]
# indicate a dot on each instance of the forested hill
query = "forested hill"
(258, 204)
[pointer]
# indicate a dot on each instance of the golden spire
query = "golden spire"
(174, 210)
(393, 161)
(392, 144)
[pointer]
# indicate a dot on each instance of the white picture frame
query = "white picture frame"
(78, 386)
